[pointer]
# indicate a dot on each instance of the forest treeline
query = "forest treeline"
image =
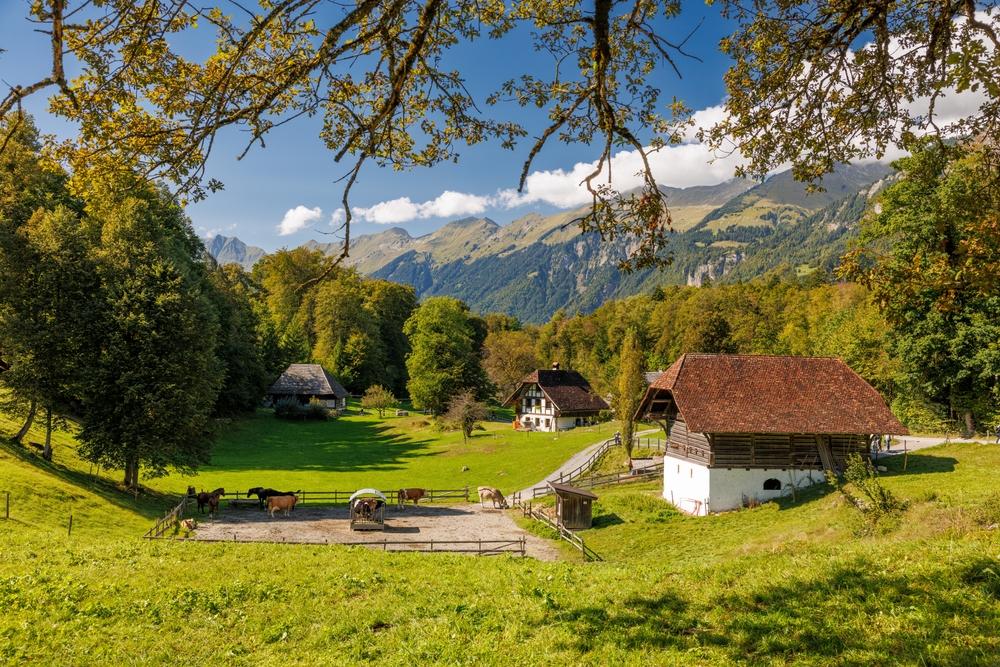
(114, 316)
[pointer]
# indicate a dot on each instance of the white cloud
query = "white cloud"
(212, 232)
(448, 204)
(298, 218)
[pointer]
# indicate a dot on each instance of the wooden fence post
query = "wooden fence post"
(7, 507)
(70, 532)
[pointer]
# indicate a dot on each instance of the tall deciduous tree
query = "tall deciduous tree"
(445, 353)
(630, 387)
(931, 256)
(507, 357)
(148, 397)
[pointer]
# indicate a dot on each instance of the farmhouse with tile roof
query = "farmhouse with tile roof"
(555, 400)
(743, 427)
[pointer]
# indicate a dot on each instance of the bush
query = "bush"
(878, 502)
(290, 408)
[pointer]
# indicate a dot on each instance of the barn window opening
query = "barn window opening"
(772, 484)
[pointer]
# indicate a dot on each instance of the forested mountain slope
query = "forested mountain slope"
(537, 265)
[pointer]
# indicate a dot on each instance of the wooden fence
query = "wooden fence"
(565, 533)
(590, 481)
(478, 547)
(341, 497)
(168, 521)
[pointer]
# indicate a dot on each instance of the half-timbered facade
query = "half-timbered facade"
(742, 427)
(555, 400)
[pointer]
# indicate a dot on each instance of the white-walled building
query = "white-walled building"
(555, 400)
(749, 427)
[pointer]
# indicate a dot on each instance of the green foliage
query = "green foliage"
(465, 413)
(290, 408)
(446, 341)
(931, 255)
(378, 398)
(630, 387)
(877, 503)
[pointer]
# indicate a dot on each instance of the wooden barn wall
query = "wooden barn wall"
(775, 450)
(687, 445)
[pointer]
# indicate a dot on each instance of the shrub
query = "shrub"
(290, 408)
(877, 502)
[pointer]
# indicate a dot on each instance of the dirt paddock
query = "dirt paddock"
(331, 524)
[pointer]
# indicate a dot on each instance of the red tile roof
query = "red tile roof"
(733, 393)
(567, 389)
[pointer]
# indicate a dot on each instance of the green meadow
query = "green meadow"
(784, 583)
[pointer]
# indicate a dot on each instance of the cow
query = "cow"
(189, 524)
(204, 499)
(367, 508)
(282, 503)
(263, 494)
(409, 494)
(488, 492)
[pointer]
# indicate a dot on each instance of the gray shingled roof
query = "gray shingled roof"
(307, 380)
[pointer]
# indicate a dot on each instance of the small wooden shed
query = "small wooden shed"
(573, 506)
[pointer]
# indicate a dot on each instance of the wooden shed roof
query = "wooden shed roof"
(568, 390)
(734, 393)
(307, 380)
(567, 490)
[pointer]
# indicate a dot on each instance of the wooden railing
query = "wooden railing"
(341, 497)
(590, 481)
(168, 521)
(478, 547)
(564, 533)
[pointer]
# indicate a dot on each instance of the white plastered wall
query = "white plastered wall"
(697, 489)
(686, 485)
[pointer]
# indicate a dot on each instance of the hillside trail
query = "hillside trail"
(575, 462)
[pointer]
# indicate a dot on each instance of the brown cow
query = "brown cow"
(283, 503)
(488, 492)
(409, 494)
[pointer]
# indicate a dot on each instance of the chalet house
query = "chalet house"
(743, 427)
(308, 381)
(555, 400)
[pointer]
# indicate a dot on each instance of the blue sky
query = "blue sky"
(297, 174)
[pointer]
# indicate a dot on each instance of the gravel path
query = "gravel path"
(331, 524)
(916, 442)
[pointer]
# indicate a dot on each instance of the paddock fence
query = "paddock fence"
(342, 497)
(168, 521)
(478, 547)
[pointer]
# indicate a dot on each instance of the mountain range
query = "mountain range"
(538, 264)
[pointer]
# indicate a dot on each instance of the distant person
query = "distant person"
(618, 437)
(996, 432)
(888, 443)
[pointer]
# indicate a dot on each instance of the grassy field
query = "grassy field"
(358, 451)
(784, 583)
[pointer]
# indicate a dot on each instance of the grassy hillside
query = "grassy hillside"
(355, 451)
(780, 584)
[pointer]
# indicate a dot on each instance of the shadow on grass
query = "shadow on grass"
(342, 445)
(824, 616)
(918, 464)
(605, 520)
(148, 504)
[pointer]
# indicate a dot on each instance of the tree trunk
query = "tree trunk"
(29, 420)
(47, 452)
(970, 423)
(132, 473)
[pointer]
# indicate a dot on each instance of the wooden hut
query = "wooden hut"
(307, 381)
(742, 427)
(573, 506)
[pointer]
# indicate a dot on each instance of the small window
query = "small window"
(772, 484)
(548, 423)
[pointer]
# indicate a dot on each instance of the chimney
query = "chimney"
(555, 365)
